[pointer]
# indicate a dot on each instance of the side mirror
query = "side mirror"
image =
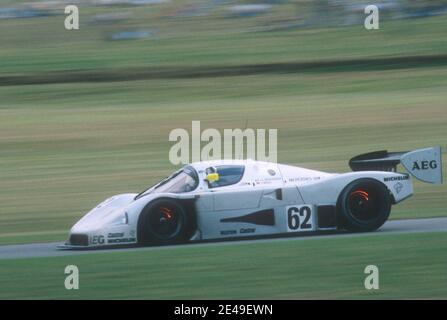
(212, 177)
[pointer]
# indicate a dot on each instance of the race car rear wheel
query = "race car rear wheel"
(364, 205)
(163, 221)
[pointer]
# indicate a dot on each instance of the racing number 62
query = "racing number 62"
(299, 218)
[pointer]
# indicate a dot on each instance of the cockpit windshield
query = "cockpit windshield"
(183, 180)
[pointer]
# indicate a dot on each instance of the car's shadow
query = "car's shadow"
(225, 240)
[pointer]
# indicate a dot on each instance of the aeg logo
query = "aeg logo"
(424, 165)
(98, 240)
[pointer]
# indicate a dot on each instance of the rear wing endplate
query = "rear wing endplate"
(424, 164)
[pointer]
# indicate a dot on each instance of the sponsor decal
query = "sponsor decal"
(301, 179)
(424, 165)
(234, 232)
(396, 178)
(228, 232)
(115, 235)
(98, 239)
(398, 187)
(267, 180)
(247, 230)
(122, 240)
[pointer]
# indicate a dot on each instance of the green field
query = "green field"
(42, 44)
(410, 266)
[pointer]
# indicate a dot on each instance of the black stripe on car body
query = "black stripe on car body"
(263, 217)
(327, 217)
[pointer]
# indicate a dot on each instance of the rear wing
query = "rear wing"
(423, 164)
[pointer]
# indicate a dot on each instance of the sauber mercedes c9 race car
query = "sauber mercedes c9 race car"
(242, 198)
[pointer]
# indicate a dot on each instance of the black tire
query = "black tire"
(364, 205)
(163, 221)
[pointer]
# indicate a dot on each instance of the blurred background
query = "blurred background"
(86, 114)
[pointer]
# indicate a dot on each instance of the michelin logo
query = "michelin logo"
(396, 178)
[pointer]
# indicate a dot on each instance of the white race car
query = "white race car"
(245, 198)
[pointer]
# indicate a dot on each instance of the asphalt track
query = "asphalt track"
(35, 250)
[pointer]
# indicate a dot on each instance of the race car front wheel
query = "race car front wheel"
(364, 205)
(163, 221)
